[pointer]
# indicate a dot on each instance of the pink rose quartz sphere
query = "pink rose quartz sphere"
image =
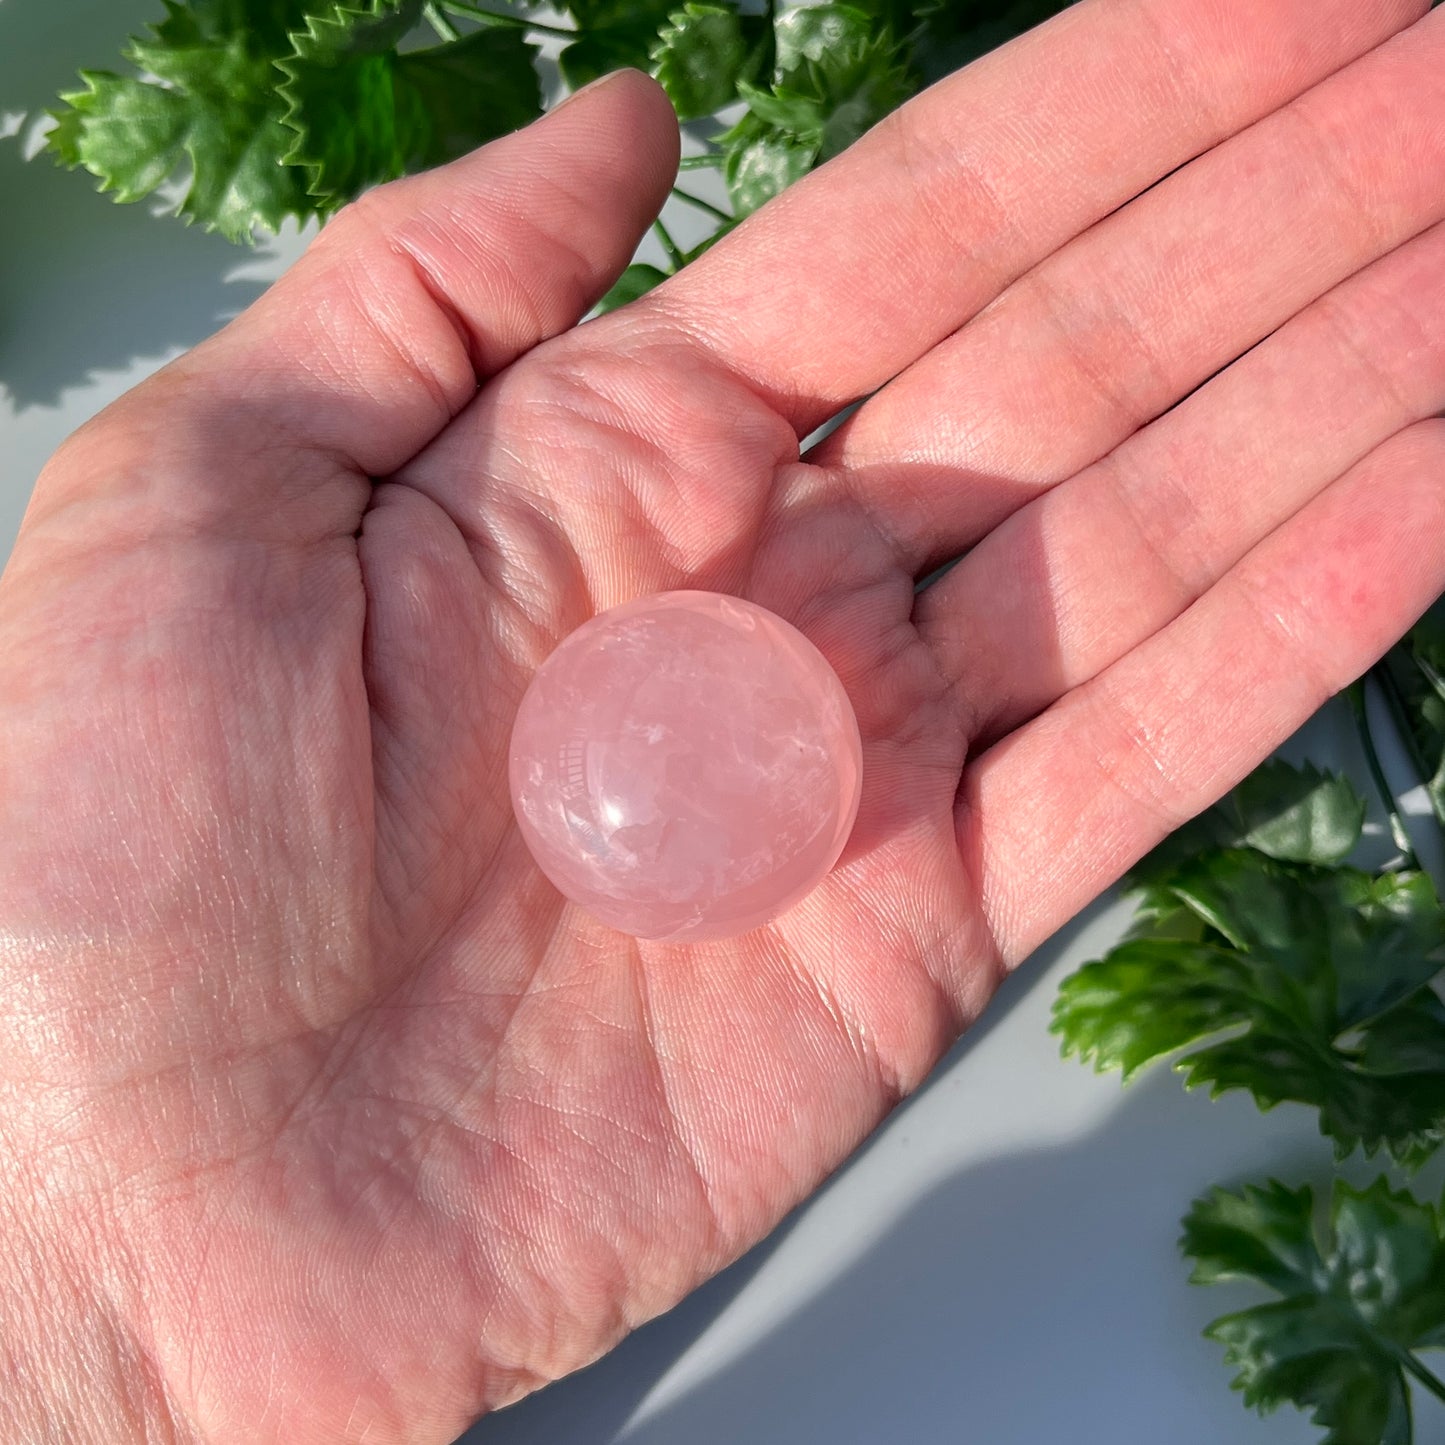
(686, 766)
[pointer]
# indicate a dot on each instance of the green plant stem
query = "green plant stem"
(711, 161)
(1372, 758)
(701, 204)
(1432, 676)
(1399, 712)
(675, 253)
(500, 17)
(1410, 1363)
(440, 23)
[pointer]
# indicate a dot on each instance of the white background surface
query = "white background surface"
(997, 1266)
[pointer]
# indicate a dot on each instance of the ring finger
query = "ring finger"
(1084, 573)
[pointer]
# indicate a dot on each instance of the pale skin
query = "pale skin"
(323, 1117)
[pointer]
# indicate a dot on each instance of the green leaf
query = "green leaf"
(1290, 982)
(1353, 1308)
(68, 134)
(859, 92)
(265, 24)
(760, 160)
(362, 112)
(953, 33)
(942, 35)
(129, 134)
(1406, 1040)
(606, 14)
(1159, 915)
(1264, 1233)
(612, 35)
(798, 116)
(637, 280)
(1300, 815)
(602, 51)
(339, 32)
(211, 105)
(1385, 942)
(702, 54)
(1147, 998)
(837, 73)
(902, 17)
(813, 32)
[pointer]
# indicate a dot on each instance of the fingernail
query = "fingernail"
(590, 88)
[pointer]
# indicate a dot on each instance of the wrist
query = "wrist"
(72, 1371)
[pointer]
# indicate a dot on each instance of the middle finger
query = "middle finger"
(1116, 327)
(1089, 570)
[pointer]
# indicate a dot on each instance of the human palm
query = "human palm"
(342, 1124)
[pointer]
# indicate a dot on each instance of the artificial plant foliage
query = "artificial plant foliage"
(837, 71)
(290, 107)
(637, 280)
(1289, 981)
(209, 106)
(953, 33)
(611, 35)
(704, 52)
(257, 110)
(1261, 960)
(1355, 1305)
(363, 111)
(1297, 814)
(1264, 964)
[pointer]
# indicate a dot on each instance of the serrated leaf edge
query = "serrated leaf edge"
(337, 15)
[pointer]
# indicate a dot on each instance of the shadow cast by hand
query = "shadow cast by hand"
(87, 285)
(1012, 1303)
(986, 1315)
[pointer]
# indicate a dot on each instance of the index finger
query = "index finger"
(863, 266)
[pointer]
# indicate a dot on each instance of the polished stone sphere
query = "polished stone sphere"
(686, 766)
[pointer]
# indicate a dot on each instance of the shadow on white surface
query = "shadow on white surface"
(87, 285)
(1009, 1306)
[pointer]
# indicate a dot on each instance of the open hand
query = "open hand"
(324, 1118)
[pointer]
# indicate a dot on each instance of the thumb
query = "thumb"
(380, 334)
